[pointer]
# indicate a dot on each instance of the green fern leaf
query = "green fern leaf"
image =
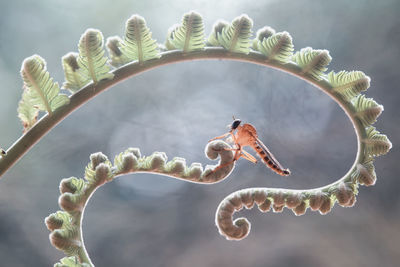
(312, 62)
(41, 91)
(91, 60)
(189, 36)
(376, 144)
(349, 84)
(70, 262)
(138, 44)
(365, 173)
(236, 36)
(72, 185)
(27, 113)
(116, 57)
(367, 110)
(74, 80)
(217, 29)
(58, 220)
(277, 47)
(262, 34)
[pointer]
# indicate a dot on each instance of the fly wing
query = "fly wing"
(268, 153)
(269, 158)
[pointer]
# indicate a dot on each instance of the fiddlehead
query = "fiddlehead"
(65, 226)
(88, 74)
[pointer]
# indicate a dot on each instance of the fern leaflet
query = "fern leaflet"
(376, 144)
(277, 47)
(74, 80)
(27, 113)
(367, 110)
(312, 62)
(217, 30)
(349, 84)
(262, 34)
(41, 92)
(236, 36)
(91, 60)
(138, 44)
(189, 36)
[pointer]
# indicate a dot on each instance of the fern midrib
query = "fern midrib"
(39, 91)
(277, 47)
(313, 63)
(189, 28)
(89, 59)
(349, 84)
(236, 35)
(373, 109)
(138, 39)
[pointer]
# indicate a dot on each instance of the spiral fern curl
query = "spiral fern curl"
(65, 225)
(87, 73)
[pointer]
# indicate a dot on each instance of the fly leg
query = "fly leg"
(248, 156)
(235, 158)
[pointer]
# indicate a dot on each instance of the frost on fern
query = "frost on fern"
(136, 45)
(187, 36)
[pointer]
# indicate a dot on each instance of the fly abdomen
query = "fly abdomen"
(270, 161)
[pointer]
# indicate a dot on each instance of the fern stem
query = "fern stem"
(46, 123)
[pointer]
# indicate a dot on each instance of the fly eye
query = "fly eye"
(235, 124)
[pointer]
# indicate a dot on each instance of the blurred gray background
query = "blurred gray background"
(147, 220)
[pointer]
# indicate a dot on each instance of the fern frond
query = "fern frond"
(262, 34)
(41, 91)
(27, 113)
(349, 84)
(312, 62)
(137, 43)
(70, 262)
(91, 60)
(58, 220)
(277, 47)
(376, 144)
(236, 36)
(189, 36)
(125, 162)
(74, 80)
(367, 110)
(217, 30)
(365, 173)
(116, 57)
(72, 185)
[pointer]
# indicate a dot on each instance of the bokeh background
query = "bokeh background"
(147, 220)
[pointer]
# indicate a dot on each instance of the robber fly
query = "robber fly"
(246, 135)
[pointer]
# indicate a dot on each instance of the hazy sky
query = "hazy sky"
(147, 220)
